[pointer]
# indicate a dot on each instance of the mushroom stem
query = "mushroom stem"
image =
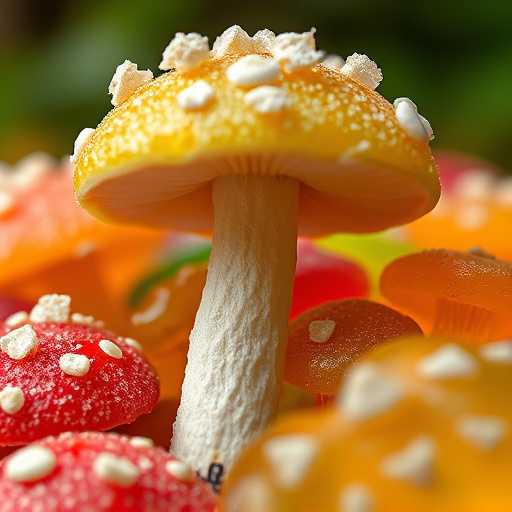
(237, 346)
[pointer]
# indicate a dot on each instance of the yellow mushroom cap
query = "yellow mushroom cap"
(152, 159)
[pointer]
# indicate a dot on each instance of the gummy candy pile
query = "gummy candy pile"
(260, 303)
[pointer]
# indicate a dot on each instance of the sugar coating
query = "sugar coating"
(356, 497)
(17, 318)
(51, 308)
(483, 431)
(263, 40)
(333, 61)
(267, 99)
(74, 364)
(497, 352)
(448, 361)
(111, 349)
(12, 399)
(80, 142)
(411, 121)
(115, 470)
(20, 342)
(295, 51)
(30, 464)
(253, 70)
(185, 52)
(234, 40)
(126, 80)
(180, 470)
(413, 464)
(321, 330)
(196, 96)
(361, 68)
(368, 392)
(290, 458)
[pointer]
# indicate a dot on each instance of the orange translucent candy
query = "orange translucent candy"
(442, 443)
(462, 294)
(344, 331)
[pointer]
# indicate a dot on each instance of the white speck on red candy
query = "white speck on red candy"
(413, 464)
(290, 458)
(185, 52)
(51, 308)
(12, 399)
(196, 96)
(116, 470)
(133, 343)
(30, 464)
(78, 318)
(448, 361)
(141, 441)
(20, 342)
(180, 470)
(80, 143)
(126, 80)
(268, 99)
(368, 392)
(321, 330)
(253, 70)
(295, 51)
(74, 364)
(111, 349)
(363, 69)
(21, 317)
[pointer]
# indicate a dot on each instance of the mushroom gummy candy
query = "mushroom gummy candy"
(453, 293)
(255, 141)
(419, 425)
(325, 341)
(62, 371)
(100, 472)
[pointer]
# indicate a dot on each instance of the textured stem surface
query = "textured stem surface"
(237, 346)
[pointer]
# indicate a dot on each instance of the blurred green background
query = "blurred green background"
(453, 59)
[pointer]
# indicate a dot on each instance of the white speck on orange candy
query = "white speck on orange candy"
(411, 121)
(368, 392)
(74, 364)
(12, 399)
(111, 349)
(17, 318)
(295, 51)
(413, 464)
(185, 52)
(448, 361)
(180, 470)
(290, 458)
(145, 442)
(20, 342)
(115, 470)
(7, 203)
(30, 464)
(80, 143)
(356, 497)
(263, 40)
(497, 352)
(51, 308)
(267, 99)
(198, 95)
(321, 330)
(361, 68)
(333, 61)
(234, 40)
(253, 70)
(126, 80)
(133, 343)
(483, 431)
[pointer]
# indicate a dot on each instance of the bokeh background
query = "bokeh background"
(452, 58)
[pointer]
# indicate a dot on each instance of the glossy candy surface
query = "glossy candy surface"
(326, 340)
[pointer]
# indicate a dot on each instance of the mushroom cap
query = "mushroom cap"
(435, 436)
(104, 472)
(152, 162)
(326, 340)
(418, 282)
(71, 376)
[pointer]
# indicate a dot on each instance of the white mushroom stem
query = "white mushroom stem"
(237, 346)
